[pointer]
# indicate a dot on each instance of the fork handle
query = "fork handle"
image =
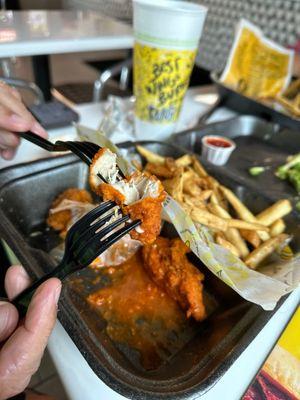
(21, 302)
(39, 141)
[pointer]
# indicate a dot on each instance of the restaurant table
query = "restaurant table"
(79, 380)
(39, 33)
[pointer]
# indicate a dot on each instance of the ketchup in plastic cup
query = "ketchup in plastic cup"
(217, 149)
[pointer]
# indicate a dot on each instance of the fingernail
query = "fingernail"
(39, 130)
(8, 154)
(57, 294)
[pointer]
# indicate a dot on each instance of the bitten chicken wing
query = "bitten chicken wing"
(166, 262)
(140, 195)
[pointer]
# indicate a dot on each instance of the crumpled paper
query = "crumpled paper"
(264, 289)
(118, 119)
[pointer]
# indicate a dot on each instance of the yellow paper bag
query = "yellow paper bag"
(257, 67)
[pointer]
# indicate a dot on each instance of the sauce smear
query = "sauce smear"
(140, 314)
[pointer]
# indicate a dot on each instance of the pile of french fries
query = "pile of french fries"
(250, 237)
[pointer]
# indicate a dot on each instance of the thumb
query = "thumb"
(21, 354)
(8, 320)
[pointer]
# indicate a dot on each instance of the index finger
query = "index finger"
(16, 280)
(13, 104)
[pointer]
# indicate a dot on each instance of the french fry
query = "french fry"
(225, 243)
(242, 211)
(199, 168)
(191, 188)
(236, 223)
(184, 161)
(277, 227)
(232, 234)
(190, 174)
(150, 156)
(273, 213)
(219, 199)
(214, 199)
(205, 194)
(174, 187)
(208, 219)
(264, 250)
(160, 170)
(189, 203)
(193, 202)
(234, 237)
(212, 183)
(239, 207)
(171, 163)
(251, 237)
(251, 226)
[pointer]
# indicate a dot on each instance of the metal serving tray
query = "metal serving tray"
(26, 192)
(246, 105)
(259, 143)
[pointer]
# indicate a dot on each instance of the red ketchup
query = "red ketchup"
(218, 142)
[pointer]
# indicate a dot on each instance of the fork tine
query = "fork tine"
(121, 232)
(85, 241)
(85, 149)
(83, 223)
(78, 151)
(92, 146)
(90, 152)
(97, 247)
(90, 231)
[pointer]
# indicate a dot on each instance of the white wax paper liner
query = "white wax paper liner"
(264, 289)
(253, 286)
(116, 254)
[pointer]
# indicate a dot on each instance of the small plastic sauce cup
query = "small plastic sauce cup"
(217, 149)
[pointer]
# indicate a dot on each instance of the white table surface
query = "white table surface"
(79, 380)
(29, 33)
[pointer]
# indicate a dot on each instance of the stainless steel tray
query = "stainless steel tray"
(26, 192)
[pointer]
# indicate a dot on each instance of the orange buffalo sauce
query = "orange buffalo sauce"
(140, 314)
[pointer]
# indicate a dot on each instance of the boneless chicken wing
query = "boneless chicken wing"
(166, 262)
(140, 194)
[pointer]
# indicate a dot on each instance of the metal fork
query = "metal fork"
(84, 150)
(86, 240)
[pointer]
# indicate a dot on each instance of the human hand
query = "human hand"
(14, 117)
(22, 343)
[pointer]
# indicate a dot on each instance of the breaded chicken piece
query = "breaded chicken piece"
(147, 209)
(166, 262)
(162, 171)
(60, 220)
(149, 212)
(140, 195)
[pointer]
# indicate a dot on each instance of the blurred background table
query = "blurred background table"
(42, 33)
